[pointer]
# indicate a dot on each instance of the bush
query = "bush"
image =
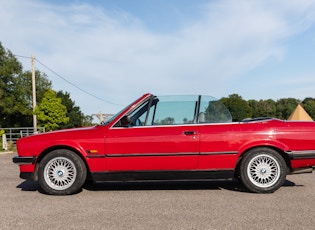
(10, 146)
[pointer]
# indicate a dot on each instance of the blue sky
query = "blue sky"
(118, 50)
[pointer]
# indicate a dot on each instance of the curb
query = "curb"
(8, 152)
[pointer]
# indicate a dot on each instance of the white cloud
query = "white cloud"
(114, 56)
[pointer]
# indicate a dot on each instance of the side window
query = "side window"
(173, 110)
(177, 110)
(213, 111)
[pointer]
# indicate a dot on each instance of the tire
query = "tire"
(263, 170)
(61, 172)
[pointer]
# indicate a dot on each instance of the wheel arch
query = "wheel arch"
(281, 152)
(56, 147)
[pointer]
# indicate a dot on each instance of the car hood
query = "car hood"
(61, 134)
(76, 138)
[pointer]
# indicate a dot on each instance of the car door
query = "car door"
(158, 137)
(218, 138)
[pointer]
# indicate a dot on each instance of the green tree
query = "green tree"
(73, 112)
(263, 108)
(309, 106)
(25, 86)
(285, 107)
(168, 121)
(12, 106)
(51, 113)
(237, 106)
(16, 103)
(16, 91)
(87, 120)
(24, 89)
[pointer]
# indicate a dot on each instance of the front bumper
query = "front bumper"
(24, 160)
(27, 175)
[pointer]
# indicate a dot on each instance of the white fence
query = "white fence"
(11, 135)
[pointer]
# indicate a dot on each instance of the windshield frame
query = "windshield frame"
(126, 110)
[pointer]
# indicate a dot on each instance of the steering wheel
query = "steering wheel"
(138, 122)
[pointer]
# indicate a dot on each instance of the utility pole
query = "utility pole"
(34, 95)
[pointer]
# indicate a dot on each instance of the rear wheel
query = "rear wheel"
(61, 172)
(263, 170)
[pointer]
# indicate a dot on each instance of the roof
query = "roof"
(299, 114)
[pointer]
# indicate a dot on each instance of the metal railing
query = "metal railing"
(11, 135)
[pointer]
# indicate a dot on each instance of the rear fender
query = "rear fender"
(276, 145)
(263, 143)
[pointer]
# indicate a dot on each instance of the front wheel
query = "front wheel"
(263, 170)
(61, 172)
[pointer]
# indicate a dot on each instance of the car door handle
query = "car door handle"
(189, 132)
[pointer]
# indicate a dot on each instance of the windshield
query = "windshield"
(116, 115)
(112, 118)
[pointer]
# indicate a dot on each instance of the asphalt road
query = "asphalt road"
(155, 205)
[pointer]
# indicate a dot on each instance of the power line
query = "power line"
(79, 88)
(16, 55)
(63, 78)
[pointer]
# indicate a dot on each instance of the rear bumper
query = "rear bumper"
(24, 160)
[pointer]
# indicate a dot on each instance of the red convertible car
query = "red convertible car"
(170, 138)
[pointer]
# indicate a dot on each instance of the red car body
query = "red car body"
(113, 151)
